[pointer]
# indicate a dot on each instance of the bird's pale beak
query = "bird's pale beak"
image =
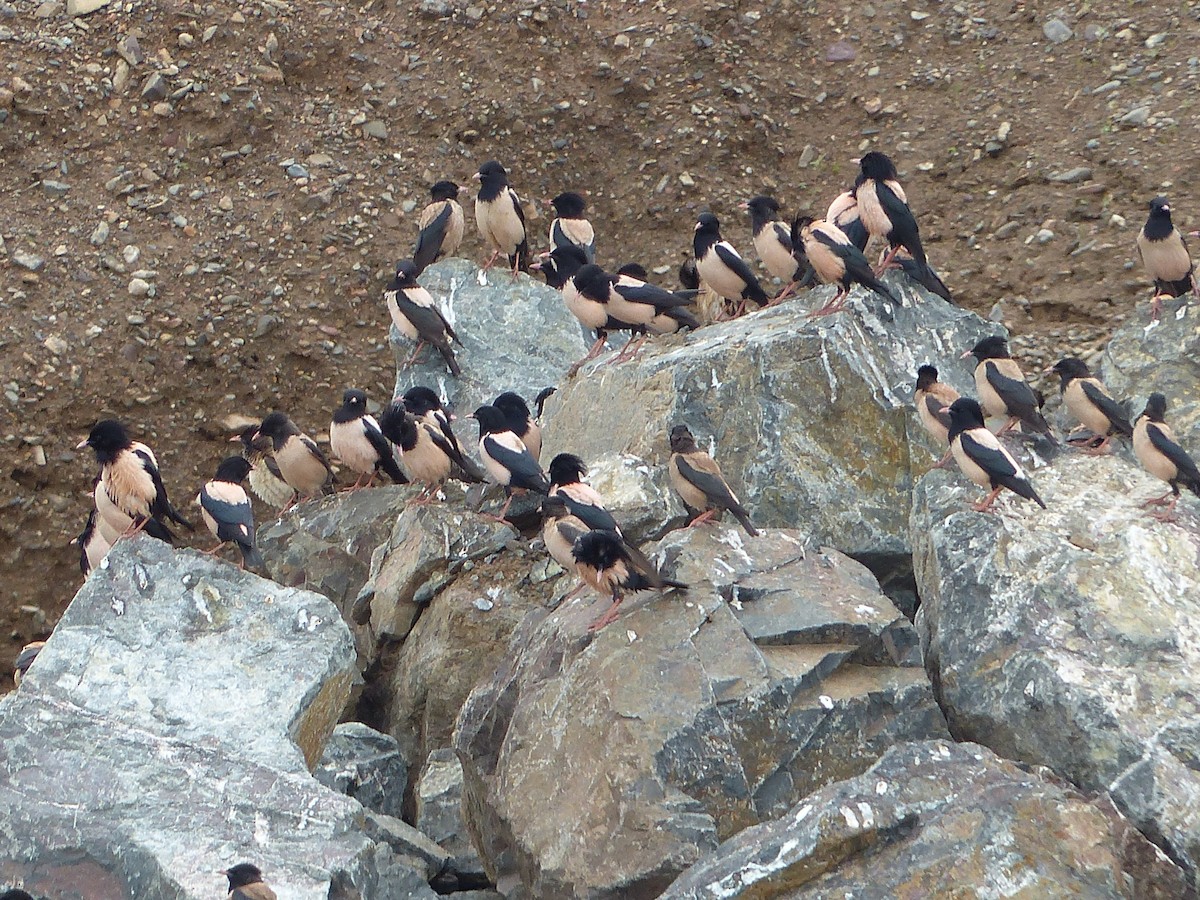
(81, 444)
(944, 411)
(470, 415)
(965, 354)
(536, 266)
(743, 205)
(856, 159)
(235, 439)
(477, 177)
(697, 228)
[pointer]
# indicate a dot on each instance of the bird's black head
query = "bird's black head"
(878, 166)
(420, 400)
(251, 440)
(682, 440)
(27, 655)
(1070, 368)
(1160, 207)
(1156, 408)
(634, 270)
(107, 438)
(593, 282)
(763, 208)
(567, 468)
(233, 469)
(555, 508)
(708, 224)
(568, 260)
(798, 225)
(491, 420)
(16, 894)
(994, 347)
(354, 399)
(491, 172)
(406, 274)
(599, 548)
(444, 190)
(688, 276)
(242, 874)
(927, 376)
(514, 407)
(965, 413)
(277, 425)
(569, 205)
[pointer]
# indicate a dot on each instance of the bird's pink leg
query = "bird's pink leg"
(944, 462)
(416, 353)
(499, 517)
(787, 291)
(985, 505)
(1099, 449)
(834, 305)
(1012, 423)
(591, 354)
(707, 516)
(491, 260)
(609, 616)
(1168, 500)
(888, 261)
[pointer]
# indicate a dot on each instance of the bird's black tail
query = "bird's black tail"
(755, 293)
(926, 277)
(174, 516)
(1037, 422)
(540, 400)
(390, 467)
(157, 529)
(447, 352)
(742, 516)
(1022, 488)
(251, 557)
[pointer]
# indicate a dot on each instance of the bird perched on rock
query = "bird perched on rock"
(441, 226)
(500, 218)
(129, 494)
(566, 482)
(266, 481)
(427, 455)
(560, 531)
(559, 266)
(697, 479)
(722, 268)
(246, 883)
(1155, 447)
(773, 243)
(506, 458)
(669, 321)
(883, 207)
(225, 508)
(570, 228)
(932, 398)
(301, 462)
(417, 317)
(355, 439)
(630, 304)
(1163, 252)
(1090, 402)
(836, 261)
(93, 545)
(1002, 388)
(521, 421)
(982, 458)
(603, 561)
(25, 659)
(843, 212)
(426, 405)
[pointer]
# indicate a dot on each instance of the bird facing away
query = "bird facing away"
(225, 508)
(883, 207)
(697, 479)
(835, 261)
(1002, 388)
(843, 212)
(246, 883)
(25, 659)
(505, 457)
(1156, 449)
(266, 481)
(1090, 402)
(355, 439)
(521, 421)
(93, 544)
(500, 218)
(129, 494)
(301, 462)
(417, 317)
(982, 458)
(722, 268)
(773, 243)
(440, 226)
(603, 561)
(426, 453)
(932, 398)
(570, 227)
(1163, 252)
(566, 482)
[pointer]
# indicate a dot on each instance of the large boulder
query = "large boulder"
(517, 336)
(362, 763)
(167, 730)
(811, 420)
(1066, 637)
(938, 819)
(1142, 358)
(601, 765)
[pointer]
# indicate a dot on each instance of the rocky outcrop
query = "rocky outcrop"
(1142, 358)
(1066, 637)
(166, 731)
(602, 765)
(362, 763)
(811, 420)
(439, 814)
(937, 819)
(517, 336)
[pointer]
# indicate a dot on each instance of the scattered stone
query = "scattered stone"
(186, 40)
(56, 345)
(376, 129)
(438, 798)
(99, 234)
(139, 287)
(1057, 31)
(83, 7)
(438, 9)
(225, 203)
(48, 10)
(1072, 176)
(1156, 40)
(131, 253)
(366, 765)
(29, 261)
(1136, 117)
(295, 170)
(55, 188)
(131, 50)
(154, 89)
(1044, 236)
(840, 51)
(807, 156)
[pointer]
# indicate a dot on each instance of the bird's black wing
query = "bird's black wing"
(782, 235)
(1111, 408)
(430, 239)
(235, 521)
(651, 296)
(312, 448)
(524, 469)
(734, 262)
(935, 409)
(273, 468)
(522, 254)
(450, 450)
(162, 505)
(714, 488)
(383, 449)
(1017, 395)
(858, 270)
(904, 224)
(591, 515)
(1176, 454)
(431, 325)
(926, 277)
(992, 460)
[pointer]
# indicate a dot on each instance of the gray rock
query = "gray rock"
(154, 89)
(408, 843)
(376, 128)
(517, 336)
(438, 9)
(83, 7)
(138, 287)
(366, 765)
(55, 188)
(1136, 117)
(1060, 637)
(295, 170)
(173, 715)
(914, 826)
(99, 234)
(29, 261)
(1057, 31)
(1142, 358)
(760, 393)
(1072, 176)
(603, 765)
(439, 812)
